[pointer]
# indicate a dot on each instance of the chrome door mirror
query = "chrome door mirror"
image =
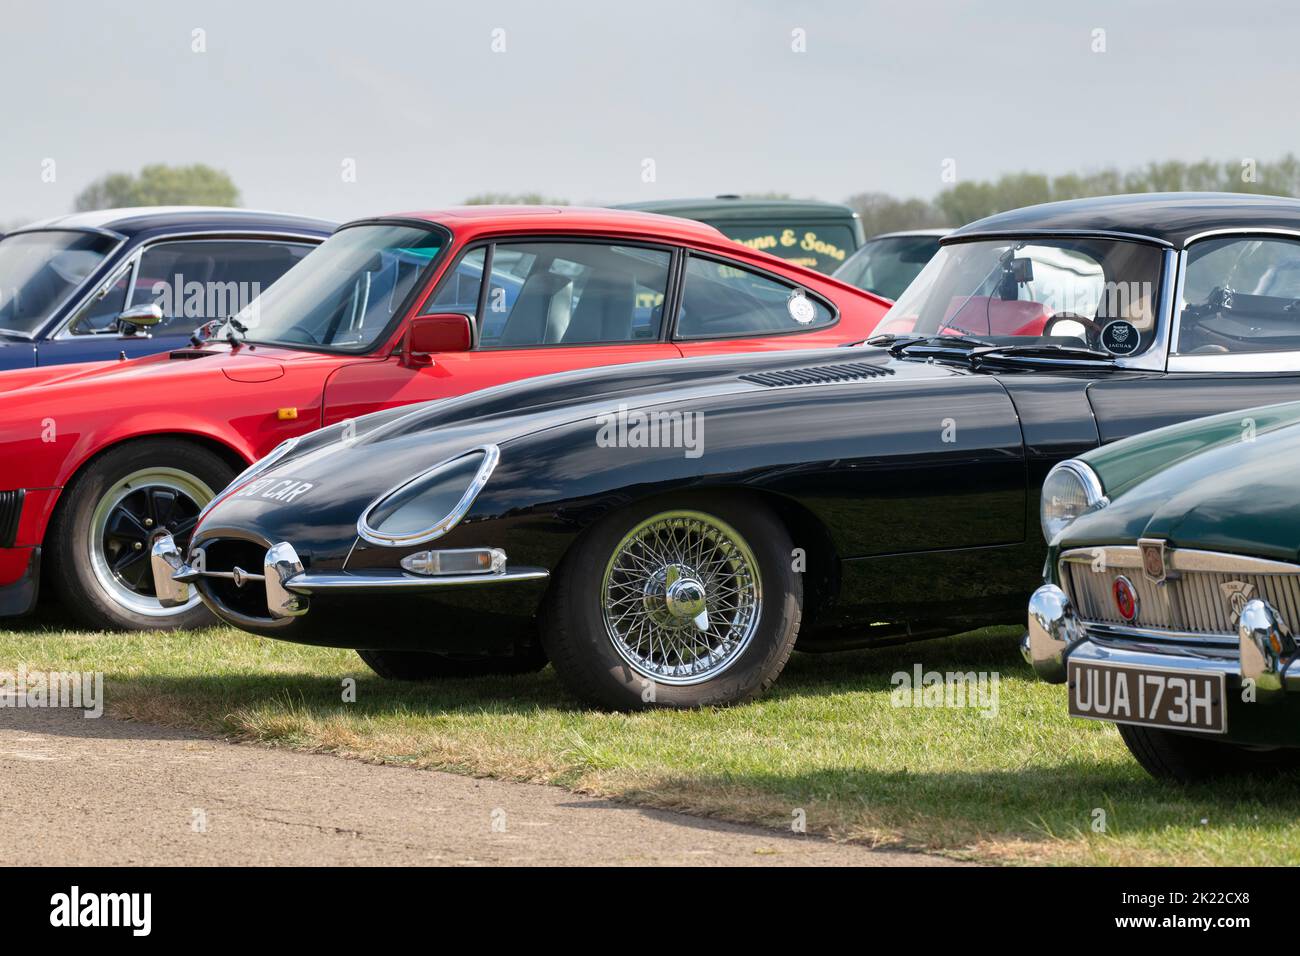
(138, 318)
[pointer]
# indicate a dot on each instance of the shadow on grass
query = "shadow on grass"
(49, 617)
(994, 649)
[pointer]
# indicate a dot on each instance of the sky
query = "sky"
(429, 103)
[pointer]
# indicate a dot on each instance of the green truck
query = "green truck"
(820, 235)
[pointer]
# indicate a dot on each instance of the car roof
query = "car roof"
(734, 207)
(129, 221)
(559, 218)
(1170, 219)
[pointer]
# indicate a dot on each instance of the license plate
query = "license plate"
(1125, 694)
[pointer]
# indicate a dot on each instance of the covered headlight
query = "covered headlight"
(1071, 489)
(430, 504)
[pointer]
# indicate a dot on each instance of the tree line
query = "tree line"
(955, 205)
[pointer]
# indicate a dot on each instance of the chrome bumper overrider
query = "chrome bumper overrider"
(289, 587)
(1266, 649)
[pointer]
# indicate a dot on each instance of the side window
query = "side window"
(1240, 295)
(101, 312)
(196, 280)
(721, 299)
(573, 293)
(459, 290)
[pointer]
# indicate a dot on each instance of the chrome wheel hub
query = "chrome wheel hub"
(128, 518)
(674, 596)
(681, 598)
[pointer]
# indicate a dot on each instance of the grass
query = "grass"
(1023, 786)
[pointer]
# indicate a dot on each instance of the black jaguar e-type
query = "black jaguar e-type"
(663, 533)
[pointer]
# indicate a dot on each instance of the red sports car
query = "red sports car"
(98, 460)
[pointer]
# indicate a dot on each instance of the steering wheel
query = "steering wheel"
(1195, 334)
(1091, 326)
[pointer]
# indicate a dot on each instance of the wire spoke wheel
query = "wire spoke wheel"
(681, 597)
(127, 519)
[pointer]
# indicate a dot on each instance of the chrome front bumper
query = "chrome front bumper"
(289, 587)
(1266, 649)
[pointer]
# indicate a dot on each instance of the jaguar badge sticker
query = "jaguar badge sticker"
(1120, 338)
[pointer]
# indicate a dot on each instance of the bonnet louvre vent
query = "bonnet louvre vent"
(818, 375)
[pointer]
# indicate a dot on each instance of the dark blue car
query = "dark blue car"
(90, 286)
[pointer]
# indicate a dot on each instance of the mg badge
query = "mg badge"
(1126, 599)
(1153, 558)
(1237, 594)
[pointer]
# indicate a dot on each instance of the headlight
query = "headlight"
(430, 504)
(1071, 489)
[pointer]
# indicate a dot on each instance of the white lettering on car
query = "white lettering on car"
(272, 489)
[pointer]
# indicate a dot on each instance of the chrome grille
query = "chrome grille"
(1196, 598)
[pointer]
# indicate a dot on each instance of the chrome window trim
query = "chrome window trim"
(1176, 311)
(64, 323)
(129, 270)
(491, 455)
(1242, 362)
(1156, 357)
(1245, 362)
(1242, 231)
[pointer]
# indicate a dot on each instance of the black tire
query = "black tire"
(69, 561)
(430, 665)
(584, 654)
(1184, 758)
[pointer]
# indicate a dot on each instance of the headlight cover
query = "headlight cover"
(1072, 489)
(430, 504)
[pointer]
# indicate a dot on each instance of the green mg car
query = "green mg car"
(1173, 591)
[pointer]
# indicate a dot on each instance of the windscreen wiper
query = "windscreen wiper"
(898, 344)
(1047, 353)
